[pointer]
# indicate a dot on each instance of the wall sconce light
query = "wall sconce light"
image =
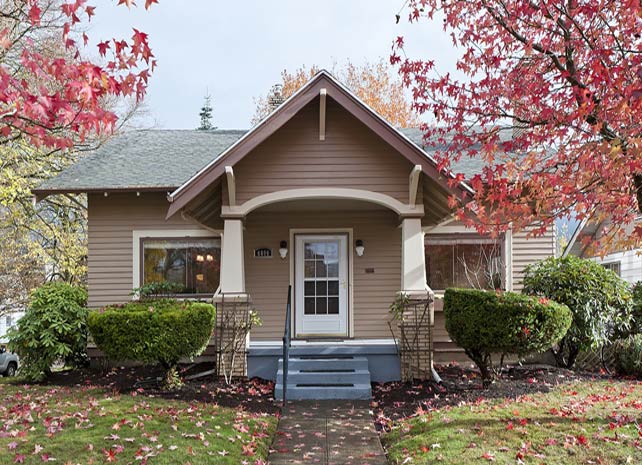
(359, 248)
(200, 258)
(283, 249)
(209, 258)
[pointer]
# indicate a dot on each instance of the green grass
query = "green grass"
(93, 426)
(578, 423)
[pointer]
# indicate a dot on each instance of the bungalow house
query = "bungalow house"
(324, 195)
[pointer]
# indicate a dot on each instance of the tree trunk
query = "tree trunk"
(637, 183)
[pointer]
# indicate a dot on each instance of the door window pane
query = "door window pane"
(333, 287)
(309, 306)
(193, 264)
(333, 305)
(322, 305)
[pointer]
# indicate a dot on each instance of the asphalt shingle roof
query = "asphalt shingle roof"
(144, 159)
(166, 158)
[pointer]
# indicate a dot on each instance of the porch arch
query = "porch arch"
(402, 209)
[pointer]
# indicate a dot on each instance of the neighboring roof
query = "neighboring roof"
(145, 160)
(466, 165)
(322, 82)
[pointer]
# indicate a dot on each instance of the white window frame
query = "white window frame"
(607, 265)
(139, 235)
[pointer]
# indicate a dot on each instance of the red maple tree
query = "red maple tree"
(550, 99)
(50, 94)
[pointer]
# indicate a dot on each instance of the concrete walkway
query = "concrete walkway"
(332, 432)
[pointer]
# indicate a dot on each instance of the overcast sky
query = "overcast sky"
(237, 50)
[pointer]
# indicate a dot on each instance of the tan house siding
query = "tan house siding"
(529, 250)
(266, 279)
(111, 222)
(351, 156)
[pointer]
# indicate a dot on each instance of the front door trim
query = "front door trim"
(292, 257)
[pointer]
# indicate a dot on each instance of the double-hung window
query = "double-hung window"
(193, 264)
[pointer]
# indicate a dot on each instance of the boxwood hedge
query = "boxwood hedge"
(484, 323)
(162, 331)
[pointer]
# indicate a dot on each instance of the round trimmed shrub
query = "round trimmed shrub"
(54, 329)
(628, 356)
(601, 302)
(162, 331)
(484, 323)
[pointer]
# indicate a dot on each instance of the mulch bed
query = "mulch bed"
(394, 401)
(252, 395)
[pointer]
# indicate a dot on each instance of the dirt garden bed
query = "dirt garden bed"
(395, 401)
(252, 395)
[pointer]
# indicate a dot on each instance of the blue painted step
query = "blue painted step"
(325, 378)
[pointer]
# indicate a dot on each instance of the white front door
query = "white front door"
(321, 285)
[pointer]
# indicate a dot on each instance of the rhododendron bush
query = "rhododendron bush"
(564, 81)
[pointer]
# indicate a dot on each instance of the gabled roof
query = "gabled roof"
(339, 93)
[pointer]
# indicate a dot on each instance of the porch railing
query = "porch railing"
(287, 337)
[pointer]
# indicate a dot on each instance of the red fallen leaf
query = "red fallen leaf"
(19, 458)
(582, 440)
(110, 455)
(523, 422)
(550, 442)
(425, 449)
(509, 426)
(488, 456)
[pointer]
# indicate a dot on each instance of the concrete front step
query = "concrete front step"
(325, 363)
(325, 378)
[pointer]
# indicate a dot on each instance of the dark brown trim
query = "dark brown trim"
(43, 193)
(283, 114)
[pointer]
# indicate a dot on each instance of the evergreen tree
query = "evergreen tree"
(206, 114)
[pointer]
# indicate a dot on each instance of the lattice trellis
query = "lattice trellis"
(413, 334)
(597, 360)
(233, 324)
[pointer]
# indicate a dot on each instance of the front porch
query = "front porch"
(347, 260)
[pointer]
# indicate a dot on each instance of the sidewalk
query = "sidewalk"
(328, 433)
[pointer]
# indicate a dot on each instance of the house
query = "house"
(8, 319)
(626, 263)
(323, 194)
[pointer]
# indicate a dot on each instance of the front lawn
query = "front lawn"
(582, 422)
(91, 425)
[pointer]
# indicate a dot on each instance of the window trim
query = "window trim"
(167, 234)
(613, 262)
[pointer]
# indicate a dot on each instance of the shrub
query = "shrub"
(158, 290)
(162, 331)
(54, 329)
(484, 323)
(628, 355)
(636, 326)
(600, 301)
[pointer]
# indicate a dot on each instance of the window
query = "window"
(473, 263)
(615, 267)
(9, 321)
(194, 264)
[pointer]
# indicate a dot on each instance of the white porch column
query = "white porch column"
(413, 260)
(232, 258)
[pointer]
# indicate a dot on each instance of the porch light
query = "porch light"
(209, 258)
(200, 258)
(359, 248)
(283, 249)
